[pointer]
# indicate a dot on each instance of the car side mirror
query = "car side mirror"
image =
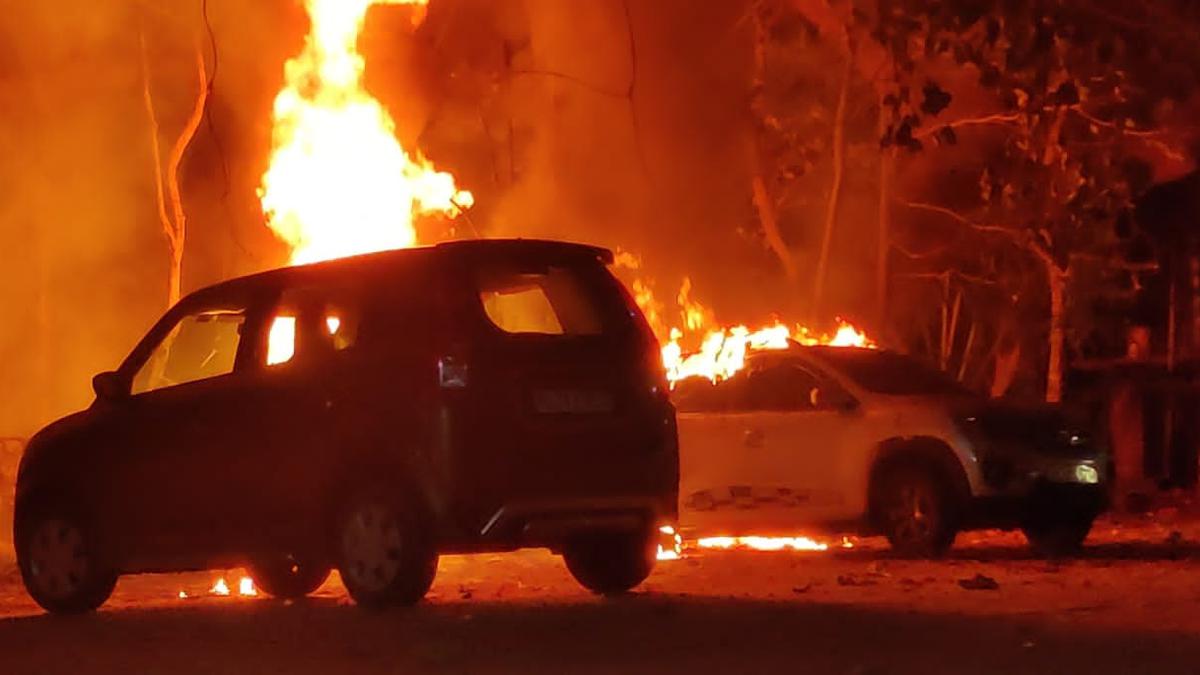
(840, 401)
(109, 386)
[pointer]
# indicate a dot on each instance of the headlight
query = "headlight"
(1086, 474)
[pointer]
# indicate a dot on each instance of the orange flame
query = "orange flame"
(246, 587)
(763, 543)
(723, 351)
(339, 182)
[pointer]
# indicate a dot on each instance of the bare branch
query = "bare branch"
(181, 144)
(907, 253)
(148, 99)
(970, 122)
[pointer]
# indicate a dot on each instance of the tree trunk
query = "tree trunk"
(1007, 361)
(1054, 368)
(167, 188)
(835, 190)
(770, 224)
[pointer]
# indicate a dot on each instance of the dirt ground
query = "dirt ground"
(1128, 606)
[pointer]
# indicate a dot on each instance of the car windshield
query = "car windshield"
(889, 373)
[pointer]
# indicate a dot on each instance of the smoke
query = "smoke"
(616, 122)
(85, 270)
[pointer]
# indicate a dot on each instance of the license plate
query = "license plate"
(571, 401)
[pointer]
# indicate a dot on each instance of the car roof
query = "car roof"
(797, 350)
(469, 250)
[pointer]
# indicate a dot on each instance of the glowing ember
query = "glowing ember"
(763, 543)
(339, 182)
(246, 587)
(675, 552)
(220, 588)
(183, 595)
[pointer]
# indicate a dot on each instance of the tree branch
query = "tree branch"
(969, 122)
(181, 144)
(148, 98)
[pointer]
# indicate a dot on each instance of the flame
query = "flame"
(723, 351)
(220, 587)
(764, 543)
(246, 587)
(339, 182)
(183, 595)
(281, 341)
(675, 552)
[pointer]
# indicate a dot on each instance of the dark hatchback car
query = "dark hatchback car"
(365, 414)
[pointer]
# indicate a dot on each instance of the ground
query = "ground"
(1128, 605)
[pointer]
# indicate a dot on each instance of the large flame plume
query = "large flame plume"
(720, 351)
(339, 182)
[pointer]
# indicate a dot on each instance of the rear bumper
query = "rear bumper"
(549, 523)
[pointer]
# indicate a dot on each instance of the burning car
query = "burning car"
(845, 439)
(365, 414)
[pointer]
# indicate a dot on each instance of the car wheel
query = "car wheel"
(287, 577)
(59, 564)
(385, 556)
(1058, 534)
(916, 511)
(610, 564)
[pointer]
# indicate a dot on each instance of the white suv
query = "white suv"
(869, 441)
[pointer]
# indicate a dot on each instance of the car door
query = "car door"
(297, 371)
(719, 476)
(176, 432)
(796, 436)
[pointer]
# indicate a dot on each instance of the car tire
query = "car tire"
(915, 508)
(60, 563)
(1058, 534)
(610, 564)
(287, 577)
(385, 554)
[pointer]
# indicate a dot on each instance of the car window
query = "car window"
(549, 301)
(790, 387)
(201, 346)
(781, 387)
(888, 373)
(311, 321)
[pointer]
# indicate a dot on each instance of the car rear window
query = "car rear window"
(550, 300)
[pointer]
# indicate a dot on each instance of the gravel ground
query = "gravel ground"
(1127, 606)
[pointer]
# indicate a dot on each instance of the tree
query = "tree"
(168, 195)
(1073, 96)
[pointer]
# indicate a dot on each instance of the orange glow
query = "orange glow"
(183, 595)
(281, 342)
(723, 351)
(339, 182)
(220, 587)
(763, 543)
(675, 550)
(246, 587)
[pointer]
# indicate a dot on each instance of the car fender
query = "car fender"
(931, 451)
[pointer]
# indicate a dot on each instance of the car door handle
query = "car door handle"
(753, 438)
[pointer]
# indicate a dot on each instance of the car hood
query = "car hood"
(1032, 428)
(57, 434)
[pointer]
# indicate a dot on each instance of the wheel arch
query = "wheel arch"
(928, 452)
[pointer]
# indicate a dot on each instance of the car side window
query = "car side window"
(311, 322)
(200, 346)
(790, 387)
